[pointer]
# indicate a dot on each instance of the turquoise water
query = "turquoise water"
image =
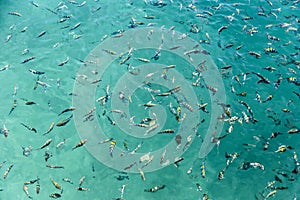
(255, 25)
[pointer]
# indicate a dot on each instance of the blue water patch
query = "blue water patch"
(149, 99)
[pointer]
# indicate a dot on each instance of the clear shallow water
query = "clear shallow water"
(59, 43)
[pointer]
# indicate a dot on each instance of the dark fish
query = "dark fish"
(47, 155)
(67, 110)
(55, 195)
(30, 103)
(122, 177)
(166, 131)
(36, 72)
(75, 26)
(41, 34)
(29, 127)
(28, 59)
(13, 107)
(262, 78)
(64, 62)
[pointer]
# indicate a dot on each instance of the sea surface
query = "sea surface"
(141, 100)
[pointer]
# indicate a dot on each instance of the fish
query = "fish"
(199, 188)
(142, 174)
(5, 131)
(203, 107)
(34, 4)
(136, 148)
(33, 71)
(122, 177)
(7, 171)
(47, 155)
(178, 160)
(149, 104)
(64, 62)
(43, 84)
(81, 181)
(56, 185)
(175, 89)
(270, 96)
(256, 54)
(9, 36)
(203, 169)
(112, 147)
(64, 122)
(169, 67)
(155, 188)
(143, 60)
(54, 166)
(110, 51)
(82, 4)
(221, 174)
(82, 189)
(55, 195)
(193, 51)
(166, 131)
(163, 156)
(257, 97)
(270, 50)
(50, 128)
(283, 148)
(37, 187)
(112, 122)
(28, 59)
(24, 29)
(13, 106)
(262, 78)
(25, 189)
(186, 105)
(106, 140)
(232, 156)
(66, 110)
(272, 193)
(247, 165)
(188, 142)
(47, 143)
(75, 26)
(68, 180)
(148, 160)
(130, 166)
(61, 143)
(79, 144)
(212, 89)
(5, 67)
(41, 34)
(29, 127)
(15, 13)
(293, 131)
